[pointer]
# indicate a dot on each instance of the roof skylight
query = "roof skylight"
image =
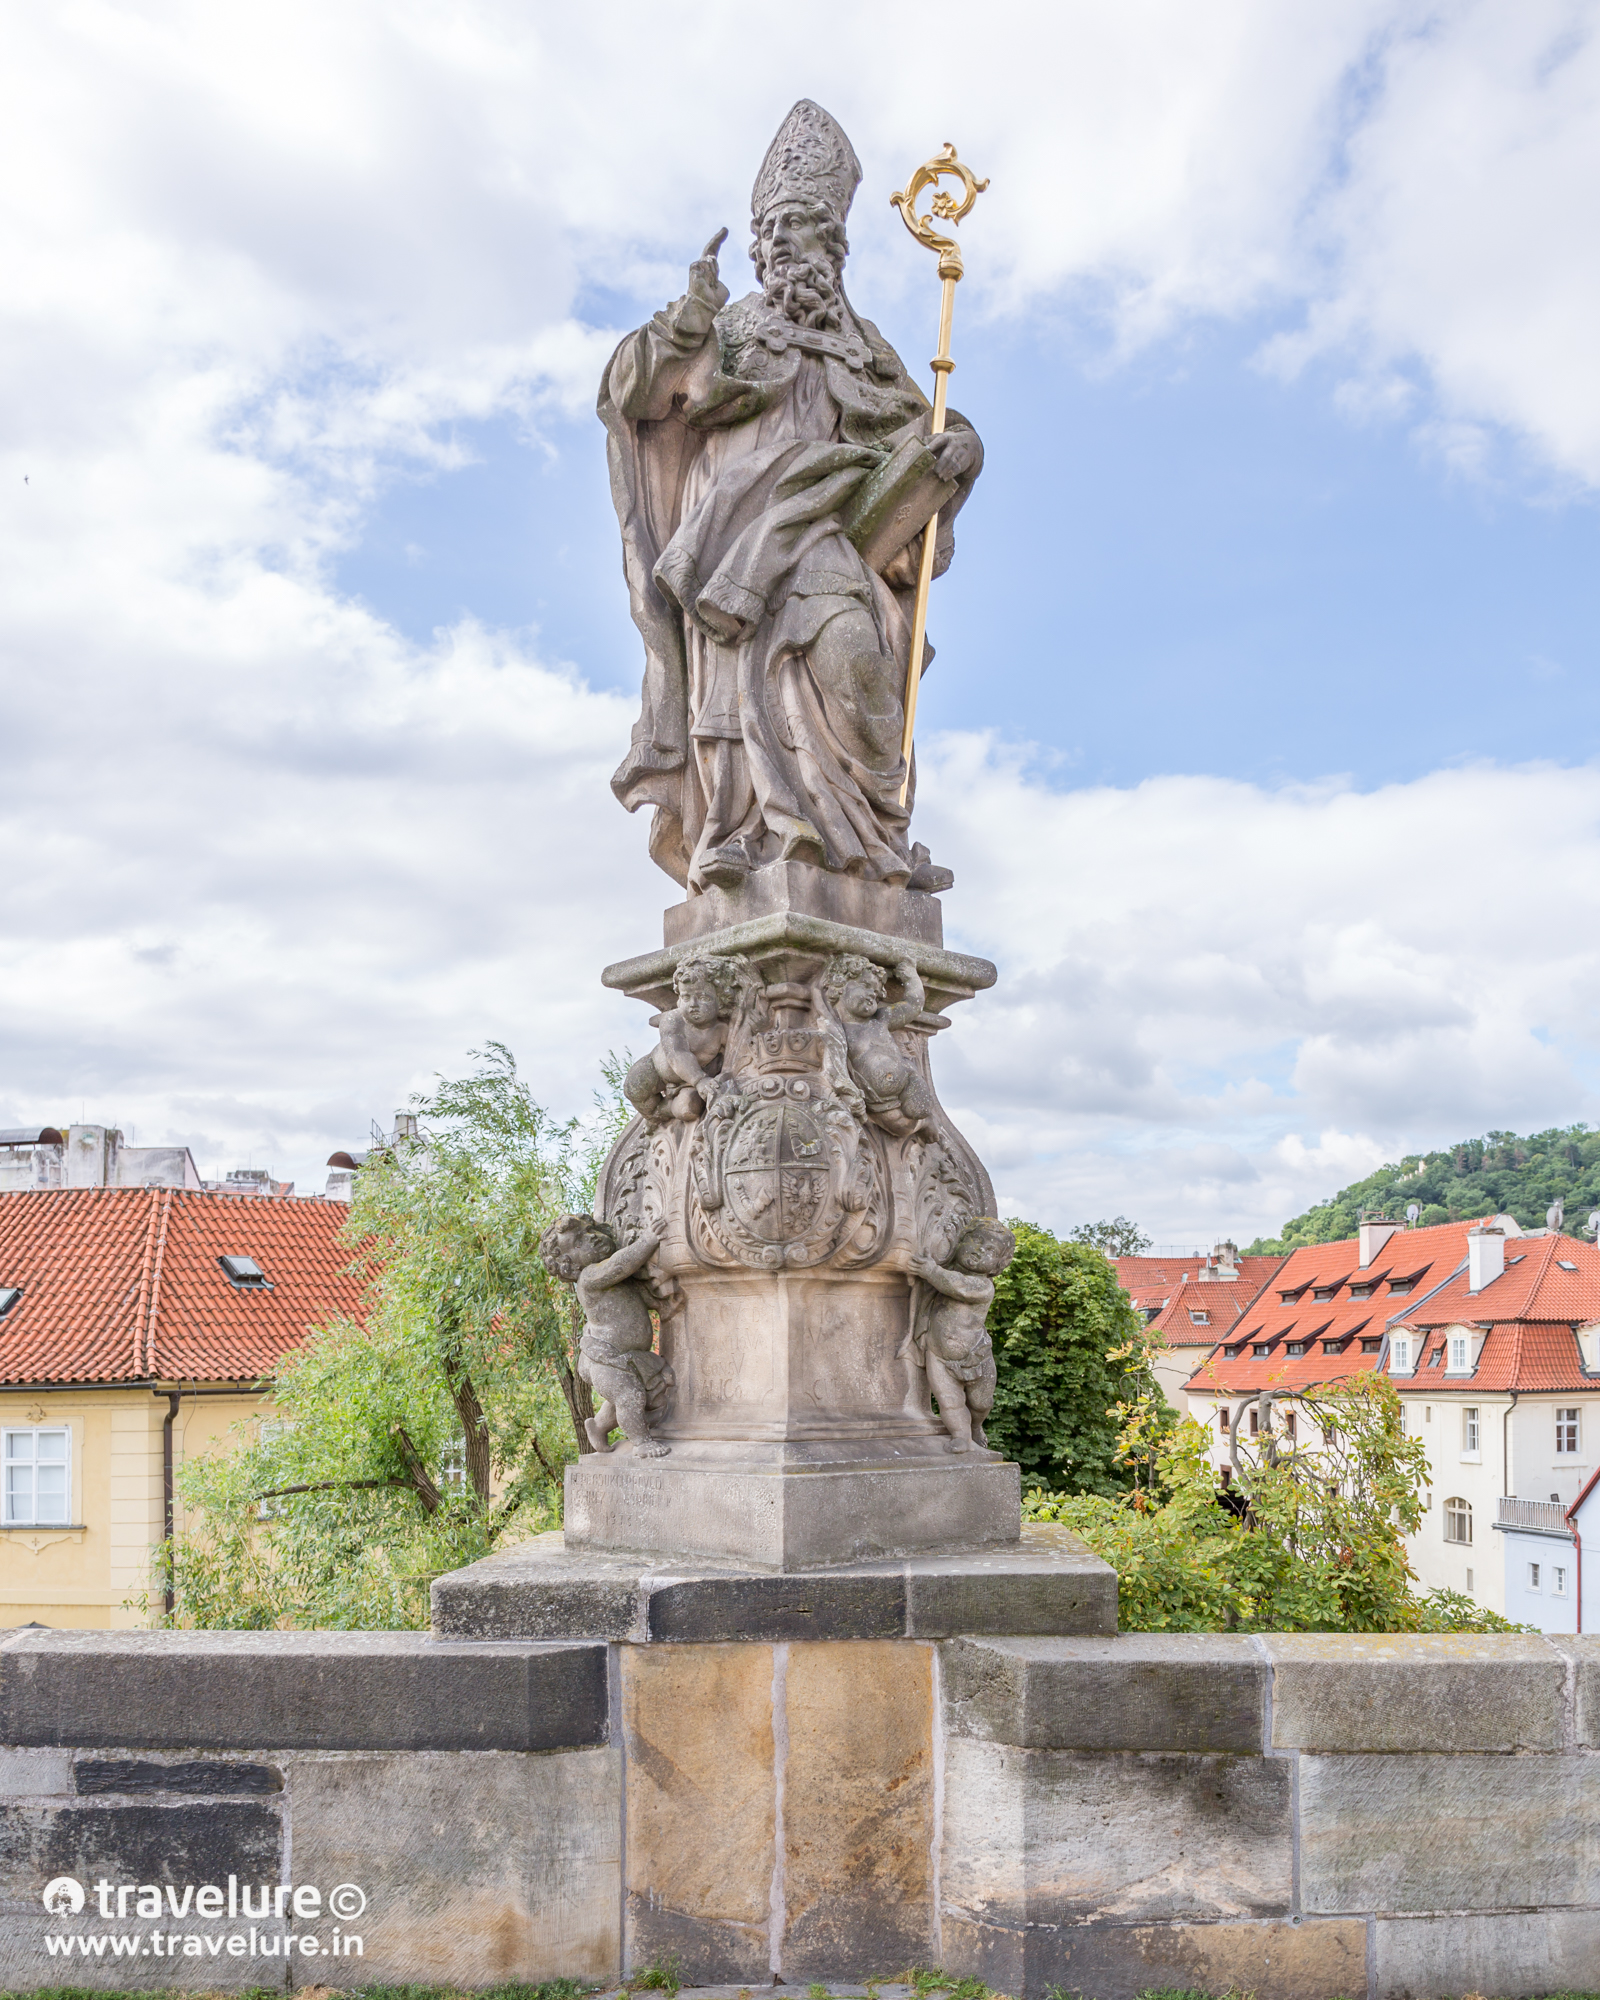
(9, 1294)
(245, 1274)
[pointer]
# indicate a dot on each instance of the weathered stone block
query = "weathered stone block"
(476, 1868)
(698, 1731)
(182, 1844)
(1422, 1833)
(1044, 1837)
(1507, 1954)
(542, 1589)
(1583, 1651)
(1289, 1958)
(1434, 1691)
(297, 1690)
(1144, 1691)
(858, 1827)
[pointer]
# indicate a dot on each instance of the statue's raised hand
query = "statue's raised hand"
(705, 283)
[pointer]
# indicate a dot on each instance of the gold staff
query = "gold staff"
(949, 208)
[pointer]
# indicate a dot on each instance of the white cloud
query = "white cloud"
(1220, 1002)
(267, 865)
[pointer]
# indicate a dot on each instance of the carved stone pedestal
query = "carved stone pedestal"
(790, 1194)
(793, 1506)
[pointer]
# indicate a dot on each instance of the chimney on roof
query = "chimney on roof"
(1486, 1257)
(83, 1164)
(1375, 1232)
(405, 1127)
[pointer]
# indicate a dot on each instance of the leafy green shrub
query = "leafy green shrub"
(1318, 1546)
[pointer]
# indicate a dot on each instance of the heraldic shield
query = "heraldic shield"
(776, 1176)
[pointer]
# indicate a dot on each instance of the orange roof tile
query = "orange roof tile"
(124, 1284)
(1358, 1308)
(1220, 1301)
(1535, 1284)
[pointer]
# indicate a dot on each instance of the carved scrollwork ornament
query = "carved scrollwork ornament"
(947, 207)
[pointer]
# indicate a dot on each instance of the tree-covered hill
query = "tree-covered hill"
(1501, 1172)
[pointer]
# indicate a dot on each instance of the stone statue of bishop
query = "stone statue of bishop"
(744, 442)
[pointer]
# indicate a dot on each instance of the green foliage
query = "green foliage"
(1072, 1365)
(1500, 1173)
(414, 1441)
(1117, 1237)
(1320, 1549)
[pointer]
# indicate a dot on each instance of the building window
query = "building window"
(1199, 1318)
(1323, 1293)
(1469, 1582)
(1230, 1354)
(1222, 1419)
(1471, 1433)
(38, 1482)
(1262, 1349)
(1566, 1430)
(1333, 1346)
(1458, 1351)
(1371, 1344)
(1458, 1522)
(1427, 1413)
(1402, 1354)
(1533, 1576)
(1558, 1580)
(1255, 1420)
(1288, 1298)
(1361, 1291)
(1288, 1425)
(1400, 1286)
(1436, 1357)
(1296, 1347)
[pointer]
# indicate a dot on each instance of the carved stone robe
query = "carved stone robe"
(732, 454)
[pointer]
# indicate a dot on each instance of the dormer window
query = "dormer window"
(1436, 1357)
(1459, 1363)
(1398, 1287)
(1295, 1347)
(1333, 1347)
(1323, 1293)
(1287, 1298)
(1230, 1353)
(245, 1274)
(1371, 1344)
(1361, 1291)
(1261, 1349)
(1562, 1264)
(9, 1294)
(1200, 1318)
(1401, 1353)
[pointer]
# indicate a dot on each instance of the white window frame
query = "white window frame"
(1533, 1576)
(1458, 1509)
(14, 1459)
(1400, 1356)
(1199, 1318)
(1569, 1429)
(1558, 1579)
(1472, 1432)
(1460, 1362)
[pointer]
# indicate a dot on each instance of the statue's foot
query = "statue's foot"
(959, 1444)
(648, 1448)
(927, 875)
(599, 1438)
(724, 867)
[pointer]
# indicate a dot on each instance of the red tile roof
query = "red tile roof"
(1536, 1286)
(123, 1284)
(1151, 1281)
(1517, 1354)
(1271, 1320)
(1220, 1301)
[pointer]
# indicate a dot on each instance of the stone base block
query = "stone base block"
(815, 892)
(1046, 1584)
(784, 1508)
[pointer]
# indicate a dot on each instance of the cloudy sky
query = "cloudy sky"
(1263, 735)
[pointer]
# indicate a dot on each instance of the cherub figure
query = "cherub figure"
(615, 1353)
(855, 994)
(680, 1076)
(951, 1329)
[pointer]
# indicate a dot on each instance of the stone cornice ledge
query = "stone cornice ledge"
(787, 930)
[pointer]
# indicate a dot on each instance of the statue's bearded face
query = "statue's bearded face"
(799, 254)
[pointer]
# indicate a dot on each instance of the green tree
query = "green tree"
(1501, 1173)
(1071, 1361)
(1313, 1540)
(415, 1440)
(1116, 1237)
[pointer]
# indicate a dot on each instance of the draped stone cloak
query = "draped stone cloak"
(732, 453)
